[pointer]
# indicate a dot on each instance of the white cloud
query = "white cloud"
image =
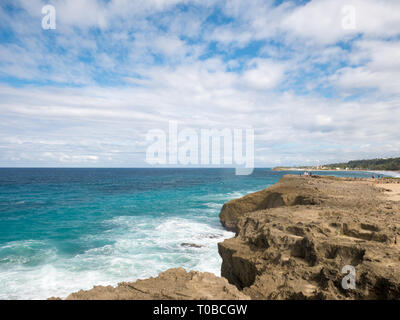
(62, 157)
(92, 96)
(322, 21)
(264, 75)
(94, 122)
(376, 66)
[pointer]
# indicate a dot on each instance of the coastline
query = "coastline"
(390, 173)
(313, 169)
(313, 259)
(393, 174)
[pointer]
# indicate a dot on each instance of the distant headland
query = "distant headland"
(382, 164)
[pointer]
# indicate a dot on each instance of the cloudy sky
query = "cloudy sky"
(315, 87)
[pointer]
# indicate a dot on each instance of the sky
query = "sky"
(318, 81)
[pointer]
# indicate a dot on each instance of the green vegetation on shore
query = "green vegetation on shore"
(373, 164)
(390, 164)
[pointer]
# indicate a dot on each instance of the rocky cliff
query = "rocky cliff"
(173, 284)
(294, 238)
(292, 241)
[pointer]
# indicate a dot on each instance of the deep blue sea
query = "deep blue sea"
(62, 230)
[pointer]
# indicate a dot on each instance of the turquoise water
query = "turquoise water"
(62, 230)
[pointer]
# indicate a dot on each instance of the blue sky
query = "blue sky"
(86, 93)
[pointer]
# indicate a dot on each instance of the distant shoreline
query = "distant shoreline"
(313, 169)
(393, 174)
(390, 173)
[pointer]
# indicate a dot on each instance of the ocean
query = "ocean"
(62, 230)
